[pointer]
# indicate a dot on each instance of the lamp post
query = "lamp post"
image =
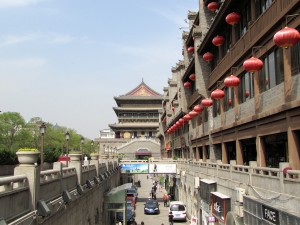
(42, 131)
(67, 139)
(82, 141)
(92, 146)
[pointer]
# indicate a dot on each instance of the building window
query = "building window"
(216, 108)
(272, 72)
(262, 6)
(229, 97)
(245, 19)
(295, 59)
(246, 89)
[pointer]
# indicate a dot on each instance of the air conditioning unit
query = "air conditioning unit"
(239, 192)
(183, 173)
(239, 209)
(196, 182)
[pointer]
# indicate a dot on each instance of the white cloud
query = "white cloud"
(17, 3)
(22, 63)
(49, 37)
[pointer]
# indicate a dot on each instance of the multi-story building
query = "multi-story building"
(231, 113)
(138, 123)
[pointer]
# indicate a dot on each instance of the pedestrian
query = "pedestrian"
(133, 222)
(165, 199)
(142, 223)
(171, 216)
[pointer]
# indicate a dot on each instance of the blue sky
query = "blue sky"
(64, 61)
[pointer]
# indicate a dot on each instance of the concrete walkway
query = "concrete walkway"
(143, 191)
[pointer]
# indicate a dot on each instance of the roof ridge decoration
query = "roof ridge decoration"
(142, 90)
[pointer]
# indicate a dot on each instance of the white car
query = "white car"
(178, 210)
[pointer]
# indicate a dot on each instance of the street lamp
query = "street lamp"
(42, 131)
(92, 146)
(67, 139)
(82, 141)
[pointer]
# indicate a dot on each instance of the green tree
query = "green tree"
(11, 124)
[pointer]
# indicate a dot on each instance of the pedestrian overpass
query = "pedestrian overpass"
(148, 167)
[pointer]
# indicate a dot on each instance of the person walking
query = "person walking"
(142, 223)
(171, 216)
(165, 199)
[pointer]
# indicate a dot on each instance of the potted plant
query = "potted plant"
(28, 155)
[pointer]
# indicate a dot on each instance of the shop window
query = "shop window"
(295, 59)
(207, 152)
(272, 72)
(231, 150)
(276, 149)
(249, 150)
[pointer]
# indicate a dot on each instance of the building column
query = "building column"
(197, 153)
(204, 156)
(239, 153)
(293, 149)
(261, 152)
(224, 154)
(287, 74)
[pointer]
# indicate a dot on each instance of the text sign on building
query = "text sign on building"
(221, 205)
(270, 214)
(162, 168)
(135, 168)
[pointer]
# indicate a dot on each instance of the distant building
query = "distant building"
(107, 133)
(138, 122)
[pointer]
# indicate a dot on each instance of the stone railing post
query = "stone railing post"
(32, 172)
(78, 166)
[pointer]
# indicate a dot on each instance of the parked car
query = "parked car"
(151, 207)
(129, 217)
(178, 210)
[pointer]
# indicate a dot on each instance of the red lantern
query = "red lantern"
(218, 40)
(193, 113)
(208, 56)
(181, 120)
(213, 6)
(198, 108)
(233, 18)
(217, 94)
(229, 101)
(190, 49)
(253, 65)
(187, 84)
(173, 108)
(192, 77)
(187, 117)
(207, 102)
(247, 93)
(286, 37)
(232, 81)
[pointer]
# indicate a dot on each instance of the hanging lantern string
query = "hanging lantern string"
(291, 17)
(255, 48)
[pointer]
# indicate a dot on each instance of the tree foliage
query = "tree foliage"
(15, 133)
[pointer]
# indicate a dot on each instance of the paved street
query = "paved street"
(143, 196)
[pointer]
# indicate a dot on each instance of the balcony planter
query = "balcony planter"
(28, 156)
(75, 156)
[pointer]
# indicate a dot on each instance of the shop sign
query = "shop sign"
(270, 214)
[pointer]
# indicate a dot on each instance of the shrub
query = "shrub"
(28, 150)
(8, 158)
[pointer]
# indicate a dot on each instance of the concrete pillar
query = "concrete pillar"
(204, 153)
(32, 173)
(261, 153)
(293, 149)
(96, 163)
(197, 154)
(224, 154)
(287, 74)
(78, 166)
(239, 153)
